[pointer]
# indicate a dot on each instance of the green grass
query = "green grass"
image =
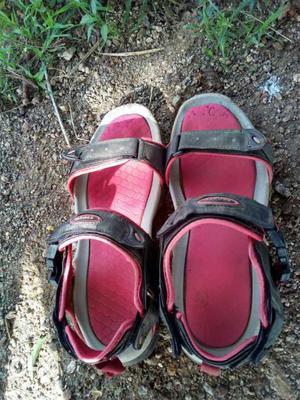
(244, 22)
(33, 32)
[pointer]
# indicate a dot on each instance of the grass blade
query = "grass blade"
(35, 354)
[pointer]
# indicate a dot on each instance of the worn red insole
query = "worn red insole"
(217, 274)
(111, 277)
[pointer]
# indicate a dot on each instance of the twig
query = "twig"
(22, 78)
(86, 56)
(150, 98)
(133, 53)
(56, 112)
(272, 29)
(72, 120)
(11, 109)
(7, 328)
(73, 125)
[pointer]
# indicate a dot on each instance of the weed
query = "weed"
(34, 31)
(223, 27)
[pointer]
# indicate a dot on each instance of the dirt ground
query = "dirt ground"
(33, 198)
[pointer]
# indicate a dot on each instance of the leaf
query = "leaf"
(40, 75)
(35, 354)
(89, 31)
(87, 20)
(104, 32)
(94, 6)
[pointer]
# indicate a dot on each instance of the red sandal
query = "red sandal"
(218, 292)
(103, 259)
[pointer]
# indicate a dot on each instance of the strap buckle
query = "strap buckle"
(282, 270)
(283, 266)
(72, 154)
(54, 262)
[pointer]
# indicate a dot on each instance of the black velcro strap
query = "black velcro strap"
(114, 227)
(125, 234)
(244, 142)
(117, 149)
(224, 205)
(241, 210)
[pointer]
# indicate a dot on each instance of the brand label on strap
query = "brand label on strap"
(86, 219)
(218, 200)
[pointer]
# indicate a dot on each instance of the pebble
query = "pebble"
(291, 339)
(25, 127)
(296, 78)
(68, 54)
(175, 100)
(67, 395)
(282, 190)
(208, 389)
(171, 370)
(142, 391)
(71, 367)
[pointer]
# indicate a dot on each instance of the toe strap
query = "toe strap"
(247, 142)
(246, 212)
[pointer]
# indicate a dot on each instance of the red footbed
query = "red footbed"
(218, 272)
(124, 189)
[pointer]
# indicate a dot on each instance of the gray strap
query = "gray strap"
(117, 149)
(241, 141)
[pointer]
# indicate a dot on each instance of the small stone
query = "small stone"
(296, 78)
(291, 339)
(158, 28)
(25, 127)
(45, 380)
(278, 46)
(175, 100)
(71, 367)
(287, 208)
(50, 228)
(10, 315)
(96, 394)
(208, 389)
(67, 395)
(35, 101)
(223, 390)
(168, 79)
(63, 108)
(68, 54)
(142, 391)
(282, 190)
(96, 76)
(171, 370)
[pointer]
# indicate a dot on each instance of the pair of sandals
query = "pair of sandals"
(212, 281)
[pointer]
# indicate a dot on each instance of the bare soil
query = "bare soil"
(33, 199)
